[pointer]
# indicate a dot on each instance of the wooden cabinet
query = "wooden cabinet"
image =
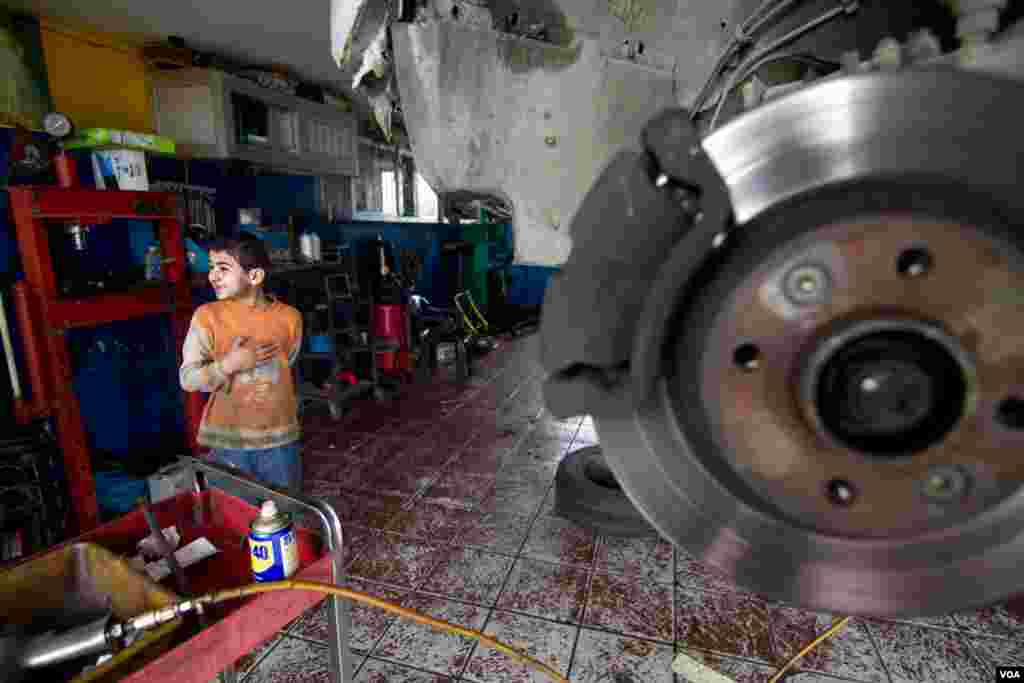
(210, 114)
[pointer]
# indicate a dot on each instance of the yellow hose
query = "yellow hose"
(296, 584)
(316, 586)
(832, 630)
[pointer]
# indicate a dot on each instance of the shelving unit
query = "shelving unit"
(34, 210)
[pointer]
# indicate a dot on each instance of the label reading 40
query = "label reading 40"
(262, 555)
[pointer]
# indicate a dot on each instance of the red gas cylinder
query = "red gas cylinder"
(389, 323)
(390, 328)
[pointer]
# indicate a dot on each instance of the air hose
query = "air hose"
(154, 618)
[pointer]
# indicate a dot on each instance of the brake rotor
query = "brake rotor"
(825, 396)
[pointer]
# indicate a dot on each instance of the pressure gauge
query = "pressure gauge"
(57, 125)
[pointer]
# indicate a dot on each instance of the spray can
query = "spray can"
(272, 548)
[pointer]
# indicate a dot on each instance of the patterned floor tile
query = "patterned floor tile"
(293, 661)
(246, 662)
(547, 508)
(497, 442)
(470, 575)
(478, 462)
(415, 429)
(732, 624)
(500, 532)
(368, 623)
(456, 433)
(408, 642)
(541, 474)
(354, 540)
(992, 621)
(849, 653)
(402, 452)
(400, 481)
(553, 591)
(648, 559)
(946, 621)
(432, 522)
(462, 489)
(607, 657)
(391, 560)
(625, 605)
(518, 497)
(331, 466)
(915, 654)
(379, 671)
(364, 509)
(539, 451)
(354, 476)
(741, 670)
(693, 574)
(998, 651)
(333, 440)
(548, 643)
(558, 540)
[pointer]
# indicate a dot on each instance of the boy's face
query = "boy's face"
(229, 279)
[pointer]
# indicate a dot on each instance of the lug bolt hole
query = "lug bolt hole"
(1010, 413)
(841, 492)
(747, 357)
(914, 262)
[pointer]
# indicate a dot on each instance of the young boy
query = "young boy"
(240, 349)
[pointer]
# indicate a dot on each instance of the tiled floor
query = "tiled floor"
(446, 500)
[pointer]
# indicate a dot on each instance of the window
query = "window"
(389, 207)
(427, 205)
(426, 199)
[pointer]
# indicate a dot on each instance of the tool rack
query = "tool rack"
(34, 209)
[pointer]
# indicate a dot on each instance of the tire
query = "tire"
(586, 493)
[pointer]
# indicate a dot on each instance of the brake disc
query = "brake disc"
(800, 341)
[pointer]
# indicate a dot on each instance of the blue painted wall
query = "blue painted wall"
(423, 237)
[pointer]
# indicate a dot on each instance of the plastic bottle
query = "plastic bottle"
(306, 246)
(154, 265)
(317, 254)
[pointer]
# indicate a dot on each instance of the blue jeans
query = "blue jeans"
(278, 466)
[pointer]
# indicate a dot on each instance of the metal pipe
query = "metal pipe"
(753, 62)
(33, 346)
(12, 366)
(758, 18)
(50, 649)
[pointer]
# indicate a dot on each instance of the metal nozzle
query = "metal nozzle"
(54, 648)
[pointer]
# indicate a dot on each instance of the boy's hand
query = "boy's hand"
(244, 355)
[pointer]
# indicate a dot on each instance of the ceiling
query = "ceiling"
(296, 34)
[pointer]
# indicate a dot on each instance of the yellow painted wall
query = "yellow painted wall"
(97, 79)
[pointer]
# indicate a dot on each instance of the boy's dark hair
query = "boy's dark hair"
(248, 250)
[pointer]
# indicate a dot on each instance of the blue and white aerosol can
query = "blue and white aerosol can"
(272, 548)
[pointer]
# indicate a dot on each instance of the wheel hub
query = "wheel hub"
(888, 393)
(825, 389)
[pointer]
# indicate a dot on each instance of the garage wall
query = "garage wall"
(97, 79)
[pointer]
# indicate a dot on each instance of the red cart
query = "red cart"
(233, 629)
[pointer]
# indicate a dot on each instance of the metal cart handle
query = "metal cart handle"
(236, 482)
